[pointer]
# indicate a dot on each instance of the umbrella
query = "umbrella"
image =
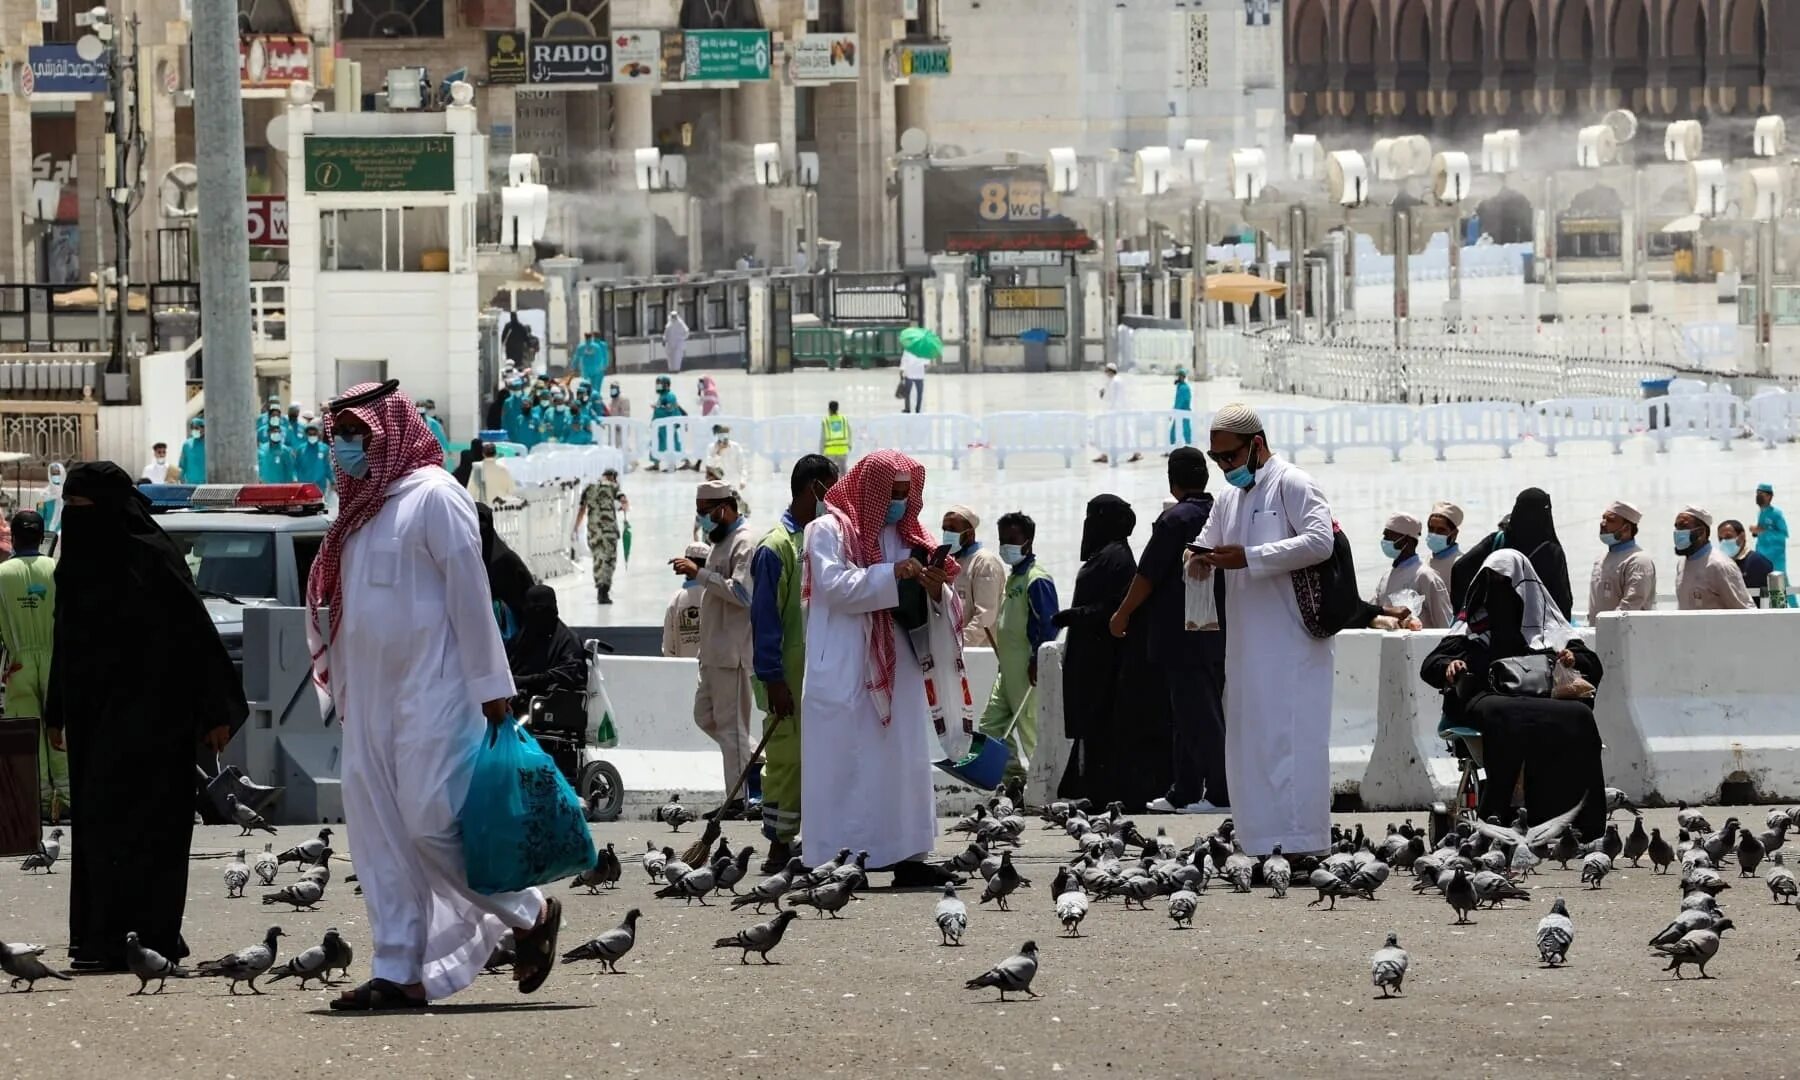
(625, 540)
(922, 343)
(1237, 288)
(1689, 223)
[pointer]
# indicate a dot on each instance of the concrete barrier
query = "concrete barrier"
(1409, 765)
(1355, 705)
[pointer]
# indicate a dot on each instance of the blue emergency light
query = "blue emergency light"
(277, 498)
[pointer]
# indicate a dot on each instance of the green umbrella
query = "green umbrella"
(922, 343)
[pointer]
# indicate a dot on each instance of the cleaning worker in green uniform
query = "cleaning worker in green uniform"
(834, 437)
(778, 651)
(1027, 614)
(27, 629)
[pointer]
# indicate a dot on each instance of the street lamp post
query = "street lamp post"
(122, 157)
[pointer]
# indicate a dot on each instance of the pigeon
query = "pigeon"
(1611, 844)
(1686, 921)
(1071, 908)
(1780, 880)
(609, 948)
(1277, 873)
(266, 865)
(829, 897)
(1616, 801)
(1537, 835)
(1491, 888)
(1700, 901)
(246, 964)
(673, 814)
(1387, 968)
(1690, 819)
(673, 868)
(1011, 975)
(1703, 879)
(854, 872)
(26, 968)
(245, 818)
(770, 889)
(237, 875)
(337, 953)
(1181, 907)
(1594, 868)
(1460, 894)
(822, 873)
(49, 850)
(148, 964)
(504, 954)
(1367, 878)
(311, 964)
(1003, 883)
(320, 872)
(1330, 887)
(1555, 933)
(728, 873)
(759, 938)
(691, 886)
(1661, 854)
(1749, 853)
(1696, 947)
(952, 917)
(968, 860)
(307, 854)
(1638, 842)
(304, 893)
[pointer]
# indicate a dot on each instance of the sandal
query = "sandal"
(376, 995)
(536, 948)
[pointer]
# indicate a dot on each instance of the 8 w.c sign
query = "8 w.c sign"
(267, 220)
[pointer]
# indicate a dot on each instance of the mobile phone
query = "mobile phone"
(1199, 549)
(937, 557)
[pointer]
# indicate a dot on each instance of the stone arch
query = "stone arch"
(1361, 34)
(1310, 34)
(1686, 29)
(1630, 36)
(1575, 31)
(1463, 33)
(1518, 41)
(1745, 30)
(1412, 33)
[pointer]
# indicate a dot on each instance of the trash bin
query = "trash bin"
(1654, 388)
(1528, 265)
(1037, 349)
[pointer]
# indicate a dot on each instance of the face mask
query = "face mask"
(952, 540)
(1012, 554)
(1684, 539)
(312, 437)
(896, 511)
(274, 438)
(350, 456)
(1730, 548)
(1610, 539)
(1437, 542)
(1390, 549)
(614, 392)
(705, 523)
(1241, 477)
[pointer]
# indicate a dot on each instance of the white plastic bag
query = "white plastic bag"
(1202, 605)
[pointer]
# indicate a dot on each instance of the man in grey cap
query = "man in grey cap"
(1705, 580)
(722, 697)
(1270, 522)
(1624, 578)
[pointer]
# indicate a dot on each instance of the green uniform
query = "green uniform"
(600, 501)
(1013, 694)
(778, 642)
(834, 439)
(27, 629)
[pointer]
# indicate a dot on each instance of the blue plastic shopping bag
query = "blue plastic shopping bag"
(522, 824)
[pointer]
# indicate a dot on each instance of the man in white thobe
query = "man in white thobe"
(1113, 396)
(413, 660)
(867, 747)
(1271, 521)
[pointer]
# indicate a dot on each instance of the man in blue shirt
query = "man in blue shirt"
(1027, 620)
(1771, 529)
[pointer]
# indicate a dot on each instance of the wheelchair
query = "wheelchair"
(572, 726)
(1465, 805)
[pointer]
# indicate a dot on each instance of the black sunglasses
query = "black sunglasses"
(1221, 457)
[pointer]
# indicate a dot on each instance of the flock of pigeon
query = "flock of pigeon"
(1477, 865)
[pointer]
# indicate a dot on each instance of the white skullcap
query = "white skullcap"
(1237, 419)
(1694, 511)
(962, 510)
(1450, 512)
(1627, 511)
(697, 552)
(714, 491)
(1405, 525)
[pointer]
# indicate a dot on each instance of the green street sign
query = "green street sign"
(726, 56)
(379, 163)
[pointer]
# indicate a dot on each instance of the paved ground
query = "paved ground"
(1260, 988)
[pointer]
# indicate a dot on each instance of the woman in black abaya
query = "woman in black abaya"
(509, 579)
(1530, 530)
(139, 680)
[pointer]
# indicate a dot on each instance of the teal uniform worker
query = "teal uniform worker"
(584, 413)
(312, 460)
(27, 628)
(428, 413)
(1027, 620)
(512, 411)
(1771, 529)
(192, 461)
(666, 405)
(271, 417)
(1181, 433)
(592, 358)
(275, 459)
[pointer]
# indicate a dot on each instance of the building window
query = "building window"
(805, 114)
(379, 19)
(720, 15)
(569, 18)
(832, 18)
(387, 239)
(265, 17)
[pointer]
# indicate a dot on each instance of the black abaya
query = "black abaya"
(137, 677)
(546, 658)
(509, 579)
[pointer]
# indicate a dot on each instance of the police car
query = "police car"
(248, 545)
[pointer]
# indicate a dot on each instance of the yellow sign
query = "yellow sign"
(1028, 297)
(1013, 200)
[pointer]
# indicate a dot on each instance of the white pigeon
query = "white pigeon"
(237, 875)
(1071, 908)
(1387, 968)
(49, 850)
(266, 865)
(1555, 933)
(654, 861)
(952, 916)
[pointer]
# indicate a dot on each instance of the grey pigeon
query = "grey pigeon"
(1555, 933)
(829, 897)
(609, 948)
(1277, 873)
(1492, 889)
(1696, 947)
(320, 872)
(504, 954)
(1661, 854)
(1638, 842)
(1459, 893)
(952, 916)
(1616, 801)
(728, 874)
(1181, 907)
(245, 965)
(604, 872)
(673, 814)
(246, 819)
(1004, 882)
(759, 938)
(691, 886)
(237, 875)
(1703, 879)
(266, 865)
(26, 968)
(1071, 908)
(855, 871)
(654, 860)
(337, 952)
(1011, 975)
(1387, 968)
(1594, 869)
(1367, 878)
(1688, 919)
(823, 872)
(304, 893)
(1691, 820)
(969, 859)
(306, 854)
(771, 889)
(1780, 879)
(148, 964)
(308, 965)
(1330, 887)
(1750, 853)
(674, 869)
(49, 850)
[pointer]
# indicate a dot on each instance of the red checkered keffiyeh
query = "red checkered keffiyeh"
(399, 443)
(859, 503)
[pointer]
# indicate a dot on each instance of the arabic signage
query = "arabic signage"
(995, 209)
(637, 57)
(505, 57)
(725, 55)
(923, 60)
(570, 60)
(379, 163)
(825, 58)
(58, 69)
(268, 220)
(273, 60)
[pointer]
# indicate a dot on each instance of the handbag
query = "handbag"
(1522, 676)
(522, 824)
(900, 389)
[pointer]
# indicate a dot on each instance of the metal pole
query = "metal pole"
(1349, 270)
(1199, 229)
(1549, 307)
(228, 364)
(124, 139)
(1263, 305)
(1453, 310)
(1640, 271)
(1402, 275)
(1109, 278)
(1765, 296)
(1296, 294)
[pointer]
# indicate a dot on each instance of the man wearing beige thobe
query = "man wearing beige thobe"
(722, 697)
(982, 581)
(1409, 573)
(1705, 580)
(1624, 578)
(1441, 530)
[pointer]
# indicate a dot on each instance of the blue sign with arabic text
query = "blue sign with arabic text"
(59, 69)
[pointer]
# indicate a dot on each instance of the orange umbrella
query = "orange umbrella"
(1238, 288)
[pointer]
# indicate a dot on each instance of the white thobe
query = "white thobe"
(1114, 393)
(866, 786)
(155, 471)
(418, 653)
(1277, 676)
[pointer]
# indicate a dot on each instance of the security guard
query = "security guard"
(834, 437)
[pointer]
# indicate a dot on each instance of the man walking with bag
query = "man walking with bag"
(403, 636)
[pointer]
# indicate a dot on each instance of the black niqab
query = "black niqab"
(1109, 520)
(1531, 530)
(465, 465)
(546, 658)
(509, 579)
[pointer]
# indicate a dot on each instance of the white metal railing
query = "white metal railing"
(537, 522)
